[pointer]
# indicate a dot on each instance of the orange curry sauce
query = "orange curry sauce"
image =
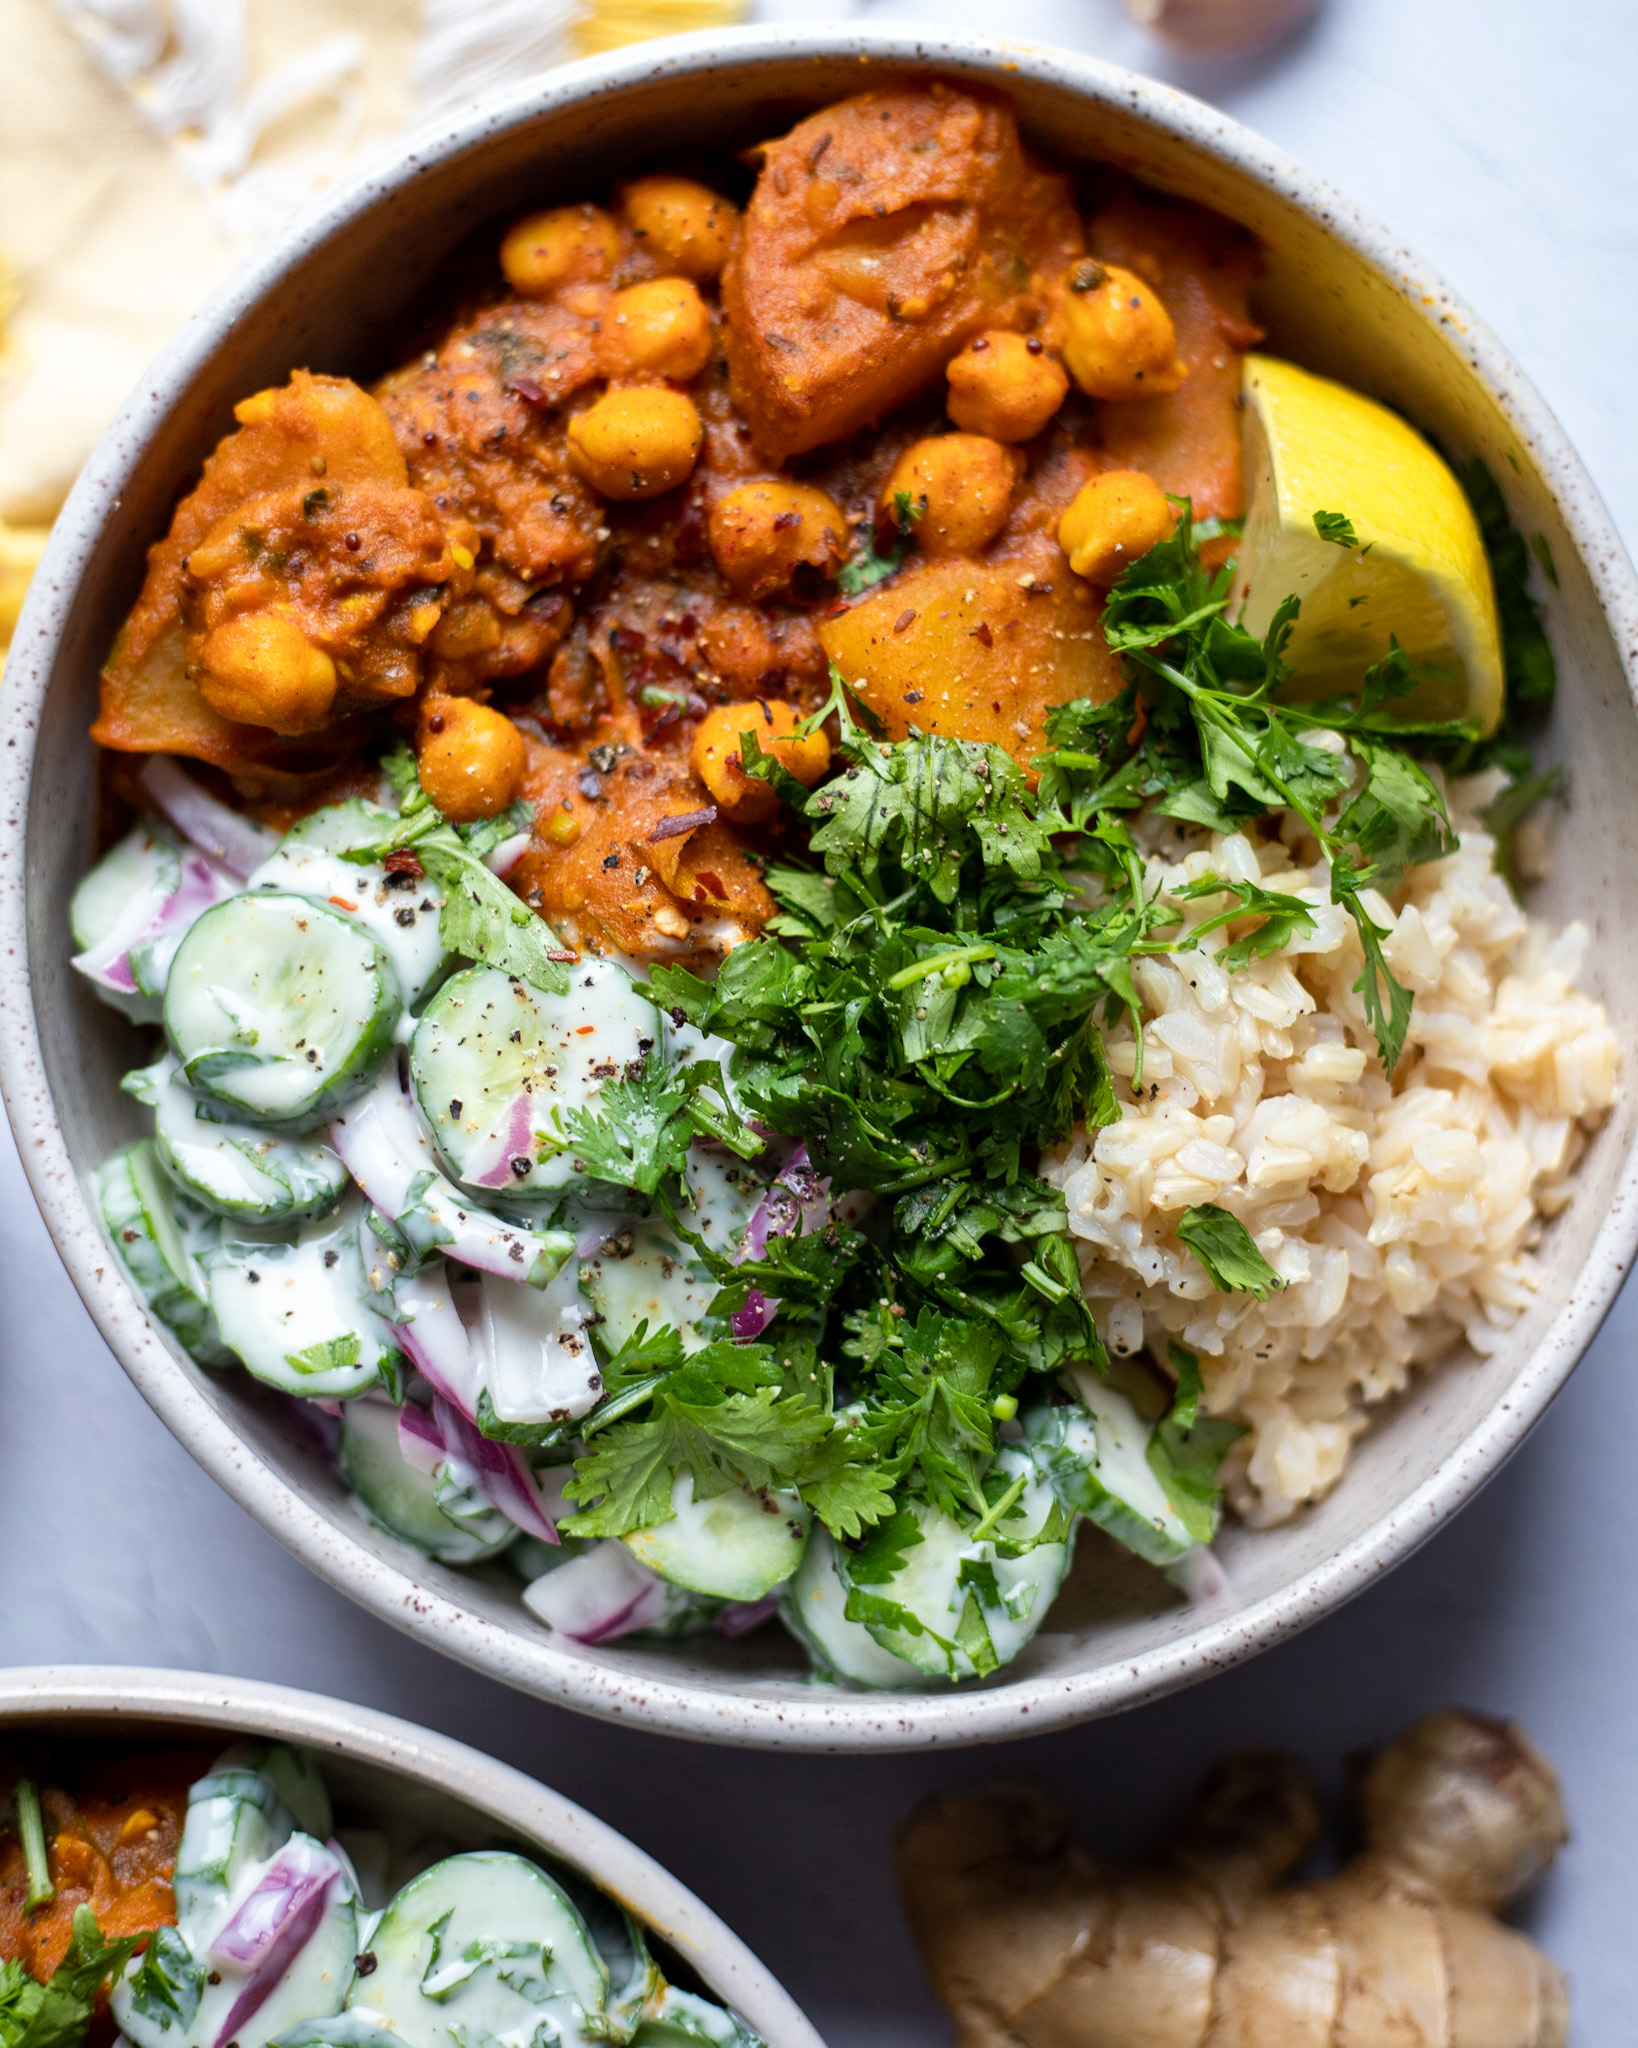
(352, 561)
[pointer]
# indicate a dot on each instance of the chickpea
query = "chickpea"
(714, 757)
(1118, 337)
(762, 533)
(567, 245)
(1111, 521)
(962, 484)
(659, 329)
(686, 226)
(472, 759)
(636, 444)
(470, 626)
(1005, 386)
(261, 669)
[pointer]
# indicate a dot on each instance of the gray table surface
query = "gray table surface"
(1500, 142)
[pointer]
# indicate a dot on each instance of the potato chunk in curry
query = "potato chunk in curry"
(883, 234)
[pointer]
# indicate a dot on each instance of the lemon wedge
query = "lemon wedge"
(1405, 560)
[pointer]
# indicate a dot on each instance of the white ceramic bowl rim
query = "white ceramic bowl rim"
(824, 1718)
(242, 1706)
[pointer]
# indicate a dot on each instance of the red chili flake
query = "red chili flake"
(784, 521)
(714, 884)
(904, 619)
(982, 634)
(341, 903)
(527, 389)
(836, 607)
(682, 821)
(404, 860)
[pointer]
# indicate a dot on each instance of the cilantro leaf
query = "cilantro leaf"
(169, 1983)
(335, 1354)
(1284, 918)
(56, 2014)
(1527, 653)
(1337, 528)
(866, 566)
(640, 1132)
(1186, 1451)
(753, 1440)
(1226, 1249)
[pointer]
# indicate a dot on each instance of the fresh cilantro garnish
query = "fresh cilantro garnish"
(1226, 1249)
(1337, 528)
(640, 1132)
(169, 1982)
(481, 918)
(1186, 1451)
(335, 1354)
(866, 566)
(57, 2014)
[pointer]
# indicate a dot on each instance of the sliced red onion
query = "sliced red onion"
(750, 1321)
(272, 1926)
(682, 821)
(515, 1139)
(435, 1339)
(504, 1480)
(595, 1232)
(420, 1441)
(108, 961)
(1199, 1574)
(538, 1363)
(239, 843)
(798, 1196)
(502, 859)
(599, 1595)
(739, 1617)
(383, 1144)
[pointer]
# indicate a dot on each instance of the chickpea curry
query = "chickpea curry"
(910, 411)
(89, 1833)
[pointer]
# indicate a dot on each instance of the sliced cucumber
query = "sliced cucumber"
(813, 1608)
(484, 1946)
(150, 1225)
(737, 1545)
(299, 1312)
(235, 1818)
(726, 1194)
(679, 2019)
(237, 2004)
(635, 1982)
(1097, 1458)
(960, 1606)
(294, 1776)
(234, 1169)
(280, 1007)
(401, 912)
(340, 2030)
(497, 1066)
(603, 1592)
(539, 1365)
(114, 908)
(436, 1512)
(645, 1274)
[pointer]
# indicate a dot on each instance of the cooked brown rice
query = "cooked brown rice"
(1400, 1215)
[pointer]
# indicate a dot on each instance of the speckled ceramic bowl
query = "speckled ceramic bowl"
(429, 1796)
(1338, 294)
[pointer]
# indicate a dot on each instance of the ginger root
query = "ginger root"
(1032, 1943)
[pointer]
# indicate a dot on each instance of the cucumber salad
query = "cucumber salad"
(289, 1935)
(587, 1272)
